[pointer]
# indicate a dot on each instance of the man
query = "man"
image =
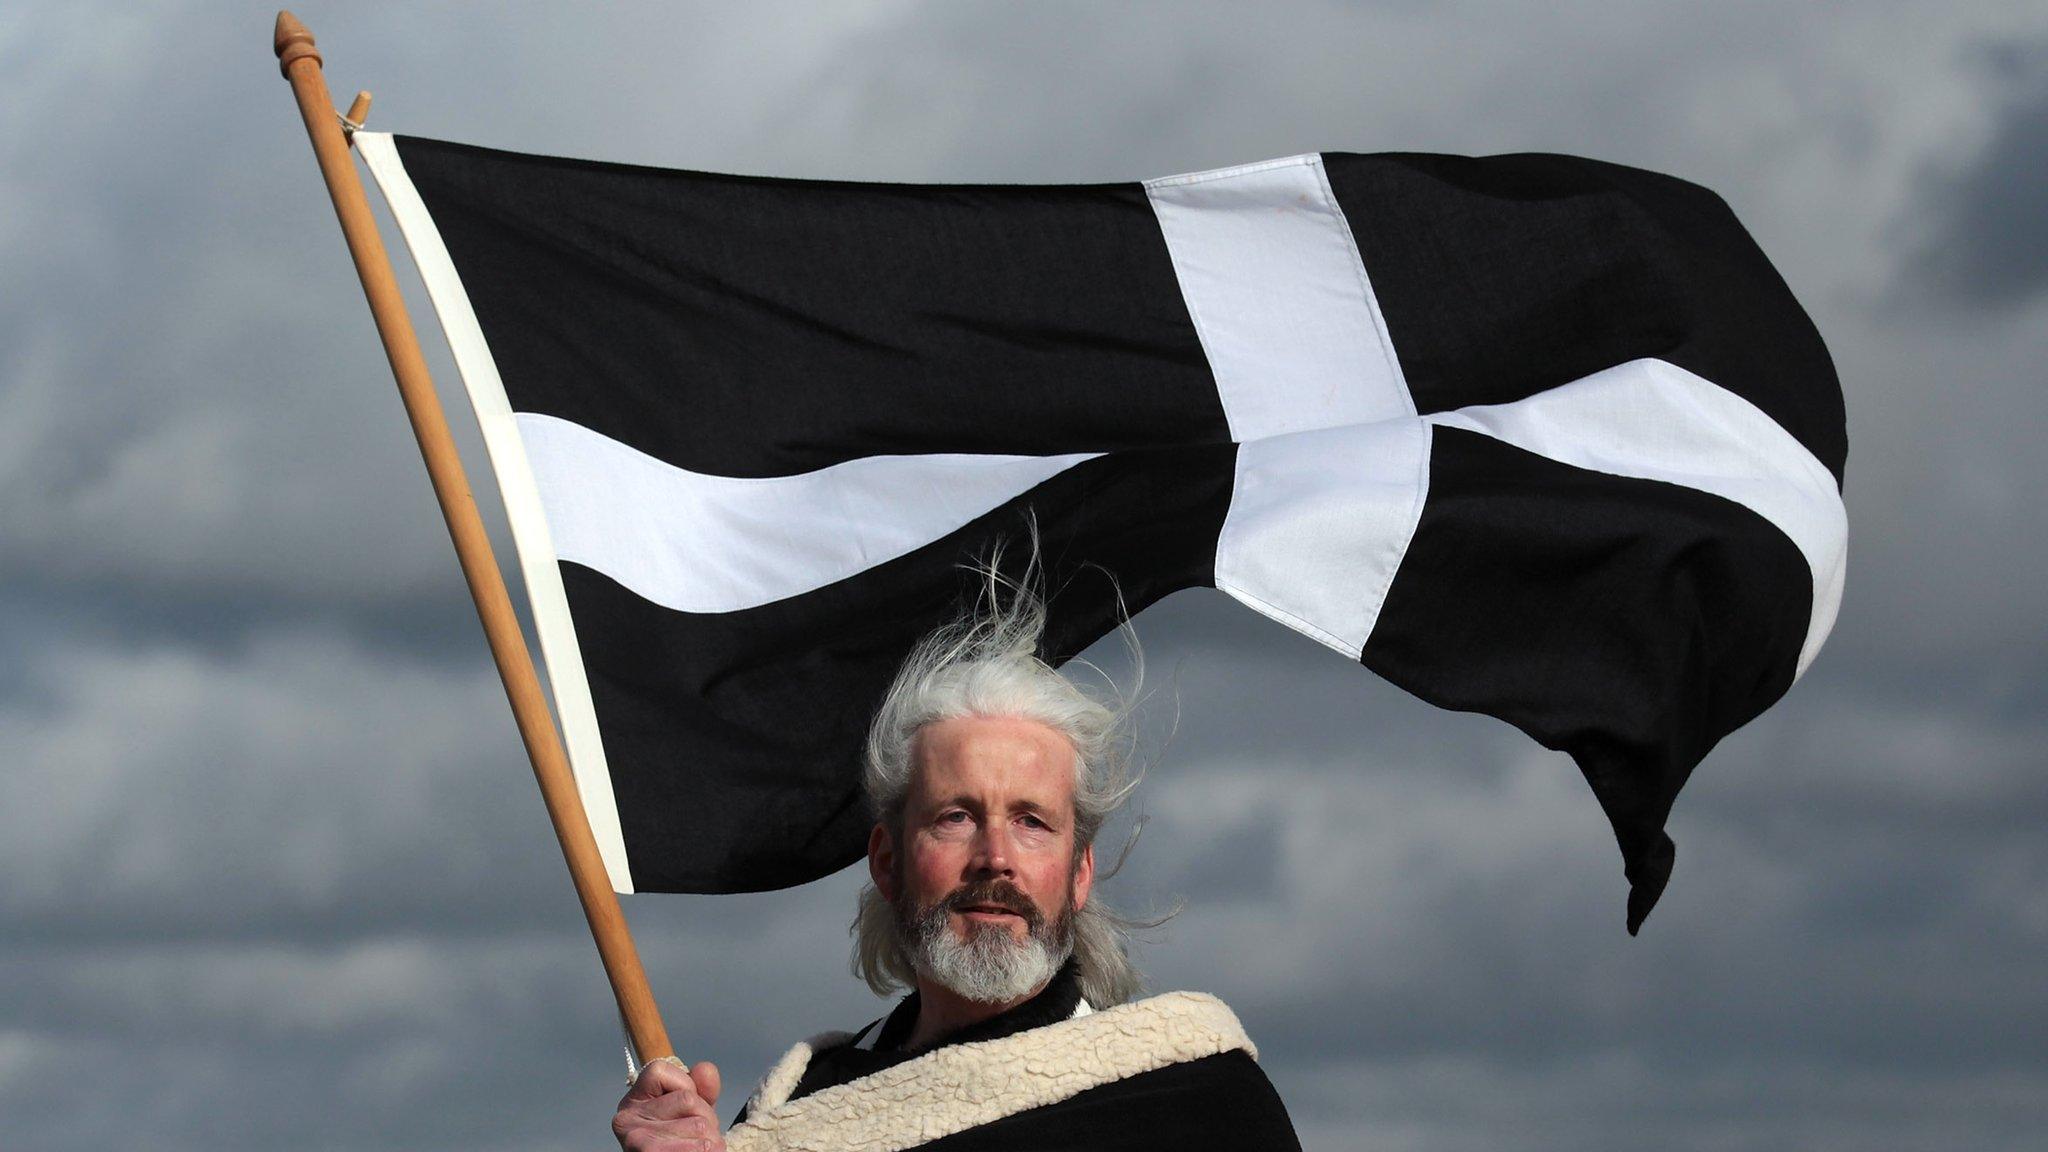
(989, 775)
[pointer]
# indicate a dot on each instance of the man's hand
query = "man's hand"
(669, 1110)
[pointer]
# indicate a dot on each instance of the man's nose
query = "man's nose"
(994, 855)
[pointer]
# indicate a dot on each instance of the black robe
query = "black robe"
(1172, 1072)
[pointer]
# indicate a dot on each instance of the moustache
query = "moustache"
(996, 894)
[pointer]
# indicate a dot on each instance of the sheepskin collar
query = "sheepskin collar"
(960, 1086)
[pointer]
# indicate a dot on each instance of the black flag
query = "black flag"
(1531, 435)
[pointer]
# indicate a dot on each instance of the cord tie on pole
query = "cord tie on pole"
(352, 120)
(632, 1064)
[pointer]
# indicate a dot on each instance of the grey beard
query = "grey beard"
(990, 966)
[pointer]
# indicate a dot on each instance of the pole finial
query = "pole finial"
(292, 43)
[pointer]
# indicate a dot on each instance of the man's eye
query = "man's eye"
(954, 817)
(1035, 822)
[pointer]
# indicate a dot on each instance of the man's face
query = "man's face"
(988, 829)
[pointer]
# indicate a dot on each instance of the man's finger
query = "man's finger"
(706, 1077)
(648, 1140)
(670, 1106)
(658, 1078)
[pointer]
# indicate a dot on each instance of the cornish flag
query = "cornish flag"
(1530, 435)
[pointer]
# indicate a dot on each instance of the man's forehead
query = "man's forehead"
(995, 753)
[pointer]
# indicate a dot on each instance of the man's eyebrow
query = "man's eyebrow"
(963, 800)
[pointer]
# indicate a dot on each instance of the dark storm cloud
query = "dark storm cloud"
(1984, 228)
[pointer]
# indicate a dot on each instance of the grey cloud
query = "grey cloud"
(302, 786)
(1982, 234)
(1607, 1103)
(187, 402)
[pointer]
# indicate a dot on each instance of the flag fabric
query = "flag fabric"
(1535, 436)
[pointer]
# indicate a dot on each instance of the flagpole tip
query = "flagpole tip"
(292, 43)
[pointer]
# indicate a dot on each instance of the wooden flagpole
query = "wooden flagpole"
(300, 62)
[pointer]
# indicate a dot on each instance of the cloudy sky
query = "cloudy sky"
(272, 868)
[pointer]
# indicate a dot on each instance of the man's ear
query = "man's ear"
(1084, 877)
(882, 862)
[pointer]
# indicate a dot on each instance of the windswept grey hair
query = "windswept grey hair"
(986, 663)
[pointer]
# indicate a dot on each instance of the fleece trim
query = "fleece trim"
(960, 1086)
